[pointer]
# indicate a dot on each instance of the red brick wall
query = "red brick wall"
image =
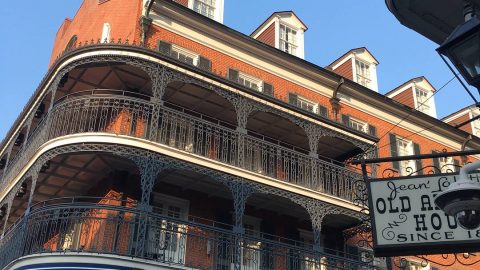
(123, 17)
(345, 69)
(182, 2)
(406, 97)
(221, 62)
(268, 35)
(461, 119)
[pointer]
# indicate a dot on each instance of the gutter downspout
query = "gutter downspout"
(335, 101)
(146, 21)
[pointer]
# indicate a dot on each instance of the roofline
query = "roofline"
(469, 107)
(361, 92)
(272, 15)
(349, 52)
(410, 81)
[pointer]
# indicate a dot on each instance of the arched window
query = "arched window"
(72, 42)
(106, 33)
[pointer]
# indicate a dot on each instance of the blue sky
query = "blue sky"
(28, 31)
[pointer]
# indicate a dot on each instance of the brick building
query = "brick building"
(160, 138)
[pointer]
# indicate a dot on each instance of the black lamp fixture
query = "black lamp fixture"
(462, 47)
(3, 211)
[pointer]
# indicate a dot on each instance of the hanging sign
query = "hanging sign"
(405, 220)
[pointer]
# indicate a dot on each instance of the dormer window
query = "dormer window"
(288, 39)
(358, 65)
(212, 9)
(422, 100)
(476, 126)
(284, 31)
(363, 73)
(205, 7)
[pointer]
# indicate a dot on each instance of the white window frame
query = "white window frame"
(218, 9)
(186, 53)
(358, 125)
(363, 76)
(307, 260)
(475, 125)
(405, 148)
(293, 45)
(446, 164)
(251, 254)
(422, 97)
(248, 80)
(106, 33)
(303, 101)
(166, 202)
(413, 265)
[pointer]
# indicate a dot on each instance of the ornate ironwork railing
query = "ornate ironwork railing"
(126, 114)
(114, 227)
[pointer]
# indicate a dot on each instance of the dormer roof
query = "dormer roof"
(459, 113)
(420, 79)
(282, 14)
(362, 50)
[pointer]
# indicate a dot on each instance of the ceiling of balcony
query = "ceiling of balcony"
(85, 174)
(434, 19)
(115, 76)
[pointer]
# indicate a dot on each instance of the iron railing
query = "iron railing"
(130, 115)
(111, 226)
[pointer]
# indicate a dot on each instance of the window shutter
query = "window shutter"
(268, 89)
(175, 55)
(418, 162)
(204, 63)
(345, 119)
(456, 164)
(323, 111)
(372, 130)
(233, 75)
(436, 163)
(394, 152)
(165, 47)
(293, 99)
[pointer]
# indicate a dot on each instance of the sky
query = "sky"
(334, 27)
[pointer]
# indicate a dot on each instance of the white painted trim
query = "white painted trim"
(456, 115)
(154, 59)
(75, 257)
(345, 59)
(181, 50)
(277, 32)
(399, 90)
(431, 101)
(218, 14)
(106, 30)
(265, 26)
(176, 154)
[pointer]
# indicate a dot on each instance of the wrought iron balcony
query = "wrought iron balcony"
(109, 226)
(131, 114)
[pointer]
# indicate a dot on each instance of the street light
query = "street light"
(462, 47)
(462, 199)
